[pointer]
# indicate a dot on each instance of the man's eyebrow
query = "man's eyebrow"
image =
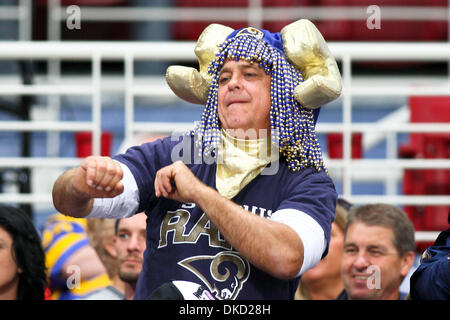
(245, 65)
(369, 247)
(223, 70)
(377, 247)
(249, 65)
(350, 244)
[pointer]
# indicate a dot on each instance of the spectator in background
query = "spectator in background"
(324, 282)
(378, 253)
(101, 232)
(74, 268)
(431, 280)
(129, 242)
(22, 260)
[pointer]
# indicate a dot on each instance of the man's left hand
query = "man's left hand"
(177, 182)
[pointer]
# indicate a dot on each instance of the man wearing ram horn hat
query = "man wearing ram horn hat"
(250, 206)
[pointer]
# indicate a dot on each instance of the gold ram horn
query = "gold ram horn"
(306, 48)
(188, 83)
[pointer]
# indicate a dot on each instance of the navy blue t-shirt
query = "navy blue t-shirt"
(183, 244)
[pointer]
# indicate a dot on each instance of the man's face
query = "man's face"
(130, 246)
(371, 267)
(244, 96)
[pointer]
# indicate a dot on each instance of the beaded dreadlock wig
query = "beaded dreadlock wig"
(292, 125)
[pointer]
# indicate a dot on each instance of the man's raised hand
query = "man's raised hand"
(98, 177)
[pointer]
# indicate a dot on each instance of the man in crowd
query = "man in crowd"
(129, 242)
(242, 204)
(378, 253)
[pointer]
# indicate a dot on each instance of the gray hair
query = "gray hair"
(388, 216)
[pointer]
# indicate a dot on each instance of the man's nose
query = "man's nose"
(361, 262)
(134, 243)
(235, 82)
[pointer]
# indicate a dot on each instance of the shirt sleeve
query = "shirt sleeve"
(313, 194)
(122, 206)
(309, 231)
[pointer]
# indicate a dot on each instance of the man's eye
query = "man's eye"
(123, 236)
(223, 80)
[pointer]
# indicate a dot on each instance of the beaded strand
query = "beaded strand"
(292, 125)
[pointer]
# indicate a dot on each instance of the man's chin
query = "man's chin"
(366, 294)
(129, 276)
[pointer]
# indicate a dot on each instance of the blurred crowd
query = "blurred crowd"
(371, 252)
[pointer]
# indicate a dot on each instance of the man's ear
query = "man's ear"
(109, 245)
(406, 263)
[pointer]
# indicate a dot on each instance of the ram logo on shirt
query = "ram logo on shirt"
(228, 272)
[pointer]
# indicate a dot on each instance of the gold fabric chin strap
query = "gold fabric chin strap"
(239, 161)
